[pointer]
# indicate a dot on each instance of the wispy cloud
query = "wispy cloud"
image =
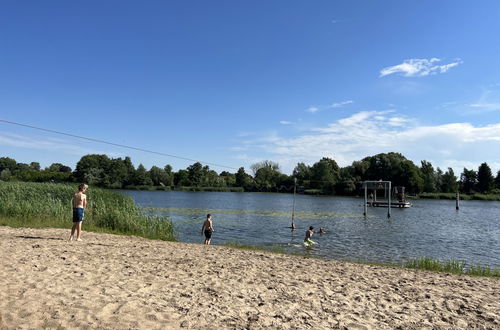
(341, 104)
(48, 143)
(419, 67)
(367, 133)
(489, 101)
(317, 108)
(285, 122)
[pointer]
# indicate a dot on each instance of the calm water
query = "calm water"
(429, 229)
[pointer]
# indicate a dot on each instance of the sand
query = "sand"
(123, 282)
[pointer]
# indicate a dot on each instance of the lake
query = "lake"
(431, 228)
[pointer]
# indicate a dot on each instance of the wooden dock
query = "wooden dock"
(395, 204)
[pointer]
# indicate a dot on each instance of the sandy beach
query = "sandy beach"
(123, 282)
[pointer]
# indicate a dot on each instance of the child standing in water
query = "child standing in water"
(79, 204)
(309, 234)
(207, 229)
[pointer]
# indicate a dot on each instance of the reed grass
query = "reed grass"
(451, 266)
(30, 204)
(475, 196)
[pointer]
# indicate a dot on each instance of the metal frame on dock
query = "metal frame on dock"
(375, 185)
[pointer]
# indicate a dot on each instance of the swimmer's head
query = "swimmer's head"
(311, 228)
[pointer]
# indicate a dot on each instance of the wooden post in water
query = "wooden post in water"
(293, 209)
(389, 201)
(457, 204)
(366, 199)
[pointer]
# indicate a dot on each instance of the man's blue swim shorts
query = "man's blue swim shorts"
(77, 214)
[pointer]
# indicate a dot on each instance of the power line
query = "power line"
(113, 144)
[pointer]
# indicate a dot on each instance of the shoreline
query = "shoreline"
(116, 281)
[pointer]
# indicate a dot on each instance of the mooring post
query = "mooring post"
(389, 201)
(457, 204)
(366, 199)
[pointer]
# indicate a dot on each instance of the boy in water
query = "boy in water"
(79, 204)
(207, 229)
(309, 234)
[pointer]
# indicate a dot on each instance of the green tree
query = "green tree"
(485, 179)
(22, 166)
(468, 180)
(130, 169)
(58, 167)
(195, 174)
(118, 174)
(265, 164)
(302, 172)
(325, 175)
(141, 177)
(428, 176)
(169, 180)
(449, 181)
(7, 163)
(243, 179)
(158, 176)
(497, 180)
(409, 177)
(35, 166)
(229, 178)
(5, 174)
(267, 177)
(181, 178)
(94, 168)
(439, 180)
(346, 184)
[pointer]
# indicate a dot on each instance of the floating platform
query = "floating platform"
(395, 204)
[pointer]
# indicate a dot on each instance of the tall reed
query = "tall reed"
(50, 205)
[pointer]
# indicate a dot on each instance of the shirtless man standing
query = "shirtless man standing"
(207, 229)
(79, 204)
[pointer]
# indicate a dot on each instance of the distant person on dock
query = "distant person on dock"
(79, 204)
(309, 234)
(207, 229)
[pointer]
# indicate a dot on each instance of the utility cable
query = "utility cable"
(113, 144)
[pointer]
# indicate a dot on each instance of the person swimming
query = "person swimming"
(309, 234)
(322, 231)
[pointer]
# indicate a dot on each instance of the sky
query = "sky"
(231, 83)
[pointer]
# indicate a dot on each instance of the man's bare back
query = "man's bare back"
(79, 200)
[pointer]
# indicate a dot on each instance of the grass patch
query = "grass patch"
(452, 266)
(453, 196)
(38, 205)
(213, 189)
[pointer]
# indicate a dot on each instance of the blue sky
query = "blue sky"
(237, 82)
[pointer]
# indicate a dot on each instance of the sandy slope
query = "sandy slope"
(121, 282)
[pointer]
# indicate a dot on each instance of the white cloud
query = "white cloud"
(419, 67)
(341, 104)
(285, 122)
(315, 108)
(312, 109)
(367, 133)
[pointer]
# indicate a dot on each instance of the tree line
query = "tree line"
(323, 177)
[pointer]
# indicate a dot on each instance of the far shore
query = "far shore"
(116, 282)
